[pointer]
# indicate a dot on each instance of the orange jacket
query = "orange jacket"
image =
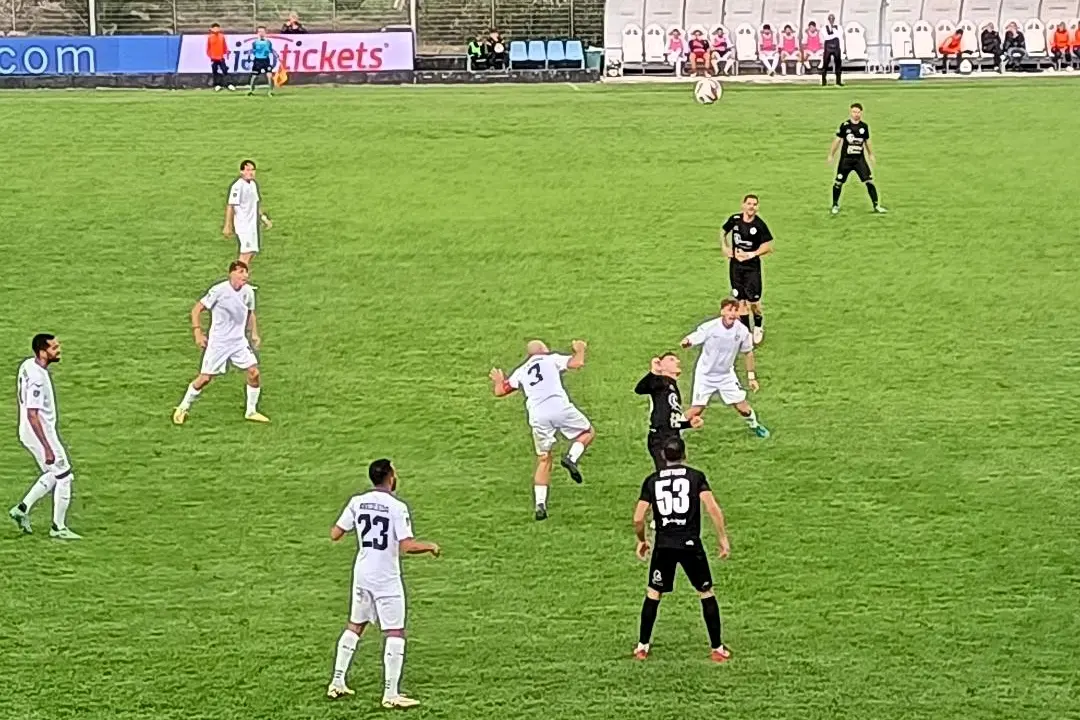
(1060, 41)
(1076, 38)
(216, 49)
(950, 45)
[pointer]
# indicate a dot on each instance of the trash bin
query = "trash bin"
(594, 58)
(910, 69)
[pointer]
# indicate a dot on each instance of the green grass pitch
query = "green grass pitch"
(905, 546)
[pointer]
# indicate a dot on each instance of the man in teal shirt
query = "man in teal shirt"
(262, 60)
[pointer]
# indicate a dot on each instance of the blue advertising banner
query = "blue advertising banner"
(109, 55)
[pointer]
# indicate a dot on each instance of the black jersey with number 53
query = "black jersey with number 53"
(675, 496)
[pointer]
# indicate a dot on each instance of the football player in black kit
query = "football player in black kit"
(666, 420)
(856, 154)
(750, 239)
(676, 495)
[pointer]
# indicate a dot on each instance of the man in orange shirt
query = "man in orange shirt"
(1076, 46)
(950, 47)
(1059, 46)
(217, 50)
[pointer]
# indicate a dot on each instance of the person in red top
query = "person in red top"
(1060, 45)
(699, 53)
(217, 49)
(950, 48)
(1076, 46)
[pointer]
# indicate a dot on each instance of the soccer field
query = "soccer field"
(904, 546)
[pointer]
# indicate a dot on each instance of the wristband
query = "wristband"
(751, 376)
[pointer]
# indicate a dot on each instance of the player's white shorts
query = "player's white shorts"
(34, 446)
(249, 240)
(553, 417)
(727, 386)
(387, 611)
(216, 358)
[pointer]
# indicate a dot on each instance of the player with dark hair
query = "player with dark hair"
(856, 154)
(675, 495)
(666, 419)
(751, 239)
(262, 62)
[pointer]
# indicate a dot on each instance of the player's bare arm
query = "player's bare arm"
(717, 517)
(499, 386)
(267, 223)
(412, 546)
(832, 150)
(196, 324)
(33, 416)
(230, 212)
(253, 330)
(764, 249)
(640, 511)
(869, 152)
(336, 533)
(578, 359)
(725, 244)
(751, 371)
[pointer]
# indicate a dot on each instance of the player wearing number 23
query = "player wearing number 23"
(676, 495)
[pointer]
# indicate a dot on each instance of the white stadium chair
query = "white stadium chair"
(633, 47)
(745, 43)
(1035, 35)
(944, 29)
(697, 28)
(901, 41)
(655, 45)
(970, 42)
(922, 41)
(855, 42)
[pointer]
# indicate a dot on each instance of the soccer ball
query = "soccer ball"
(707, 91)
(965, 67)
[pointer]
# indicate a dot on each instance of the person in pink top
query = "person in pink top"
(789, 51)
(721, 51)
(676, 50)
(813, 50)
(768, 51)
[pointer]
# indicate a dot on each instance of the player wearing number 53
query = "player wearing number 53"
(549, 409)
(383, 531)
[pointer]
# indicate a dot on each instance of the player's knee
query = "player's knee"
(544, 459)
(398, 633)
(357, 628)
(253, 376)
(202, 381)
(706, 594)
(653, 594)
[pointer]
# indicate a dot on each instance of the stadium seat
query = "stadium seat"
(970, 42)
(922, 41)
(575, 54)
(942, 30)
(537, 53)
(855, 36)
(633, 47)
(556, 52)
(519, 52)
(1035, 35)
(655, 44)
(901, 41)
(697, 28)
(745, 43)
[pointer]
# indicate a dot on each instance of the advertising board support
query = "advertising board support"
(93, 16)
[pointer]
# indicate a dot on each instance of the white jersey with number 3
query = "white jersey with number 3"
(540, 378)
(381, 522)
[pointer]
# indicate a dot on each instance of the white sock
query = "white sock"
(61, 500)
(575, 452)
(751, 419)
(253, 399)
(393, 659)
(39, 489)
(540, 492)
(346, 646)
(189, 397)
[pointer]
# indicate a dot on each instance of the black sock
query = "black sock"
(759, 321)
(872, 192)
(22, 507)
(745, 320)
(836, 188)
(648, 619)
(711, 610)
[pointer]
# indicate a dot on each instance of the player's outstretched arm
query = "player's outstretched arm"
(578, 358)
(196, 324)
(717, 517)
(499, 385)
(640, 510)
(253, 330)
(832, 149)
(645, 384)
(751, 372)
(412, 546)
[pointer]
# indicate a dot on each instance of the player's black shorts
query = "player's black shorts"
(260, 66)
(853, 164)
(694, 563)
(745, 281)
(655, 444)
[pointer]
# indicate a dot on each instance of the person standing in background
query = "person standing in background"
(217, 49)
(262, 62)
(832, 33)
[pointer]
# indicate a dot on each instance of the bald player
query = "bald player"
(550, 411)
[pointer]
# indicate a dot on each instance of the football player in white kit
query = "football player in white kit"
(232, 313)
(722, 340)
(383, 532)
(37, 432)
(243, 213)
(550, 411)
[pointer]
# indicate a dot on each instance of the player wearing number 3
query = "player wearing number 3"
(383, 531)
(550, 411)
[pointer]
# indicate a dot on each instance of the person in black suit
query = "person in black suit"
(831, 33)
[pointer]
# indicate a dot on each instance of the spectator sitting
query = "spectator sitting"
(477, 53)
(1015, 47)
(1059, 46)
(293, 26)
(812, 48)
(767, 50)
(495, 50)
(991, 44)
(1076, 47)
(676, 50)
(721, 50)
(950, 48)
(789, 50)
(699, 53)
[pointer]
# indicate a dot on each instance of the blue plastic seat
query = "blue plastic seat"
(555, 52)
(537, 52)
(518, 52)
(575, 53)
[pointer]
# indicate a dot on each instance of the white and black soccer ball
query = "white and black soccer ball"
(707, 91)
(966, 67)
